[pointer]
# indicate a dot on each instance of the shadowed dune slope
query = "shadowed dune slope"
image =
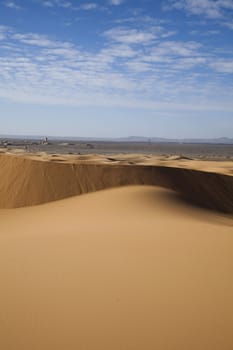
(120, 269)
(25, 181)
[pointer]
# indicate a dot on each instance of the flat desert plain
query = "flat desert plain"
(123, 252)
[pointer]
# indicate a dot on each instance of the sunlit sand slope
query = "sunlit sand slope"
(126, 268)
(27, 181)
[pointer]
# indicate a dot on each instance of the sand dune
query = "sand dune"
(35, 179)
(133, 267)
(126, 268)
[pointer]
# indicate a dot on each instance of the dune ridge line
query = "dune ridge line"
(26, 181)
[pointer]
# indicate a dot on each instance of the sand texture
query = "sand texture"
(132, 267)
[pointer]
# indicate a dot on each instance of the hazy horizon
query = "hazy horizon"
(119, 137)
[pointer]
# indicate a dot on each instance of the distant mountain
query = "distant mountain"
(220, 140)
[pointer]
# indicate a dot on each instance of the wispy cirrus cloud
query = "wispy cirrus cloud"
(169, 56)
(39, 40)
(209, 8)
(37, 69)
(70, 5)
(223, 66)
(173, 49)
(89, 6)
(116, 2)
(228, 24)
(57, 3)
(128, 35)
(12, 5)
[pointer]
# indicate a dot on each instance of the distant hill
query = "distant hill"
(220, 140)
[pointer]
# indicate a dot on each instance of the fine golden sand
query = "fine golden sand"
(145, 262)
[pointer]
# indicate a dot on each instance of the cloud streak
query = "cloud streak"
(209, 8)
(132, 68)
(116, 2)
(88, 6)
(12, 5)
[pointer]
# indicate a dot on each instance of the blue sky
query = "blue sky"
(116, 68)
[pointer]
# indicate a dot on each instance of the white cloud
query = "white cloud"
(37, 69)
(209, 8)
(116, 2)
(130, 36)
(48, 3)
(176, 48)
(119, 50)
(126, 35)
(228, 24)
(4, 32)
(223, 66)
(169, 56)
(57, 3)
(39, 40)
(227, 4)
(89, 6)
(69, 5)
(12, 5)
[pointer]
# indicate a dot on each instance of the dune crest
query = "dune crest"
(27, 181)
